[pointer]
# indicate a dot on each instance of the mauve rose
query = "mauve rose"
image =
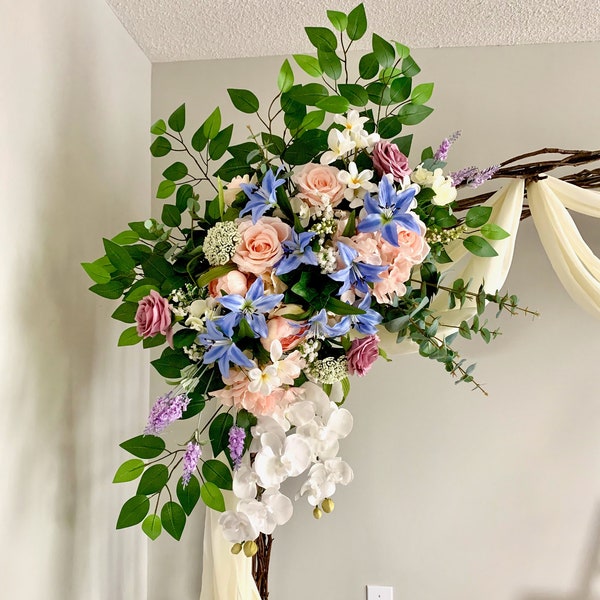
(362, 354)
(388, 159)
(153, 316)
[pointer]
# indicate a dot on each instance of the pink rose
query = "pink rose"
(388, 159)
(287, 332)
(362, 354)
(153, 316)
(260, 247)
(233, 282)
(315, 182)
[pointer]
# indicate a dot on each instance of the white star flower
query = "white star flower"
(339, 143)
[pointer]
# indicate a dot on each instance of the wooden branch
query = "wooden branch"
(535, 170)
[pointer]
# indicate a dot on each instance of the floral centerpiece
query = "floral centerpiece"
(272, 281)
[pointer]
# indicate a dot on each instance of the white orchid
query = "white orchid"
(263, 381)
(237, 527)
(244, 482)
(340, 144)
(288, 369)
(277, 460)
(323, 478)
(357, 184)
(364, 140)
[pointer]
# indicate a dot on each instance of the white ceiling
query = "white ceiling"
(172, 30)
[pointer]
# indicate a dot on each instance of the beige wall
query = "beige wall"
(74, 166)
(456, 496)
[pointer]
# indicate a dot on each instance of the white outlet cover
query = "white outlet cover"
(380, 592)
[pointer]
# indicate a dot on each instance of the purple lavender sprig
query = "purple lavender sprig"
(237, 437)
(166, 409)
(190, 461)
(441, 153)
(472, 176)
(483, 176)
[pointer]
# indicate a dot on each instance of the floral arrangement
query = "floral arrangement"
(267, 296)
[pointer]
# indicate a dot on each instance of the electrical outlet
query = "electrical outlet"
(380, 592)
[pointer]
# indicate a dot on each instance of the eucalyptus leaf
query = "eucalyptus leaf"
(152, 526)
(153, 480)
(161, 146)
(309, 64)
(244, 100)
(129, 337)
(177, 119)
(478, 216)
(188, 495)
(479, 247)
(338, 19)
(144, 446)
(173, 519)
(357, 22)
(129, 470)
(212, 496)
(133, 511)
(211, 126)
(285, 80)
(322, 38)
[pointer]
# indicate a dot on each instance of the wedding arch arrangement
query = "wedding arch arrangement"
(285, 263)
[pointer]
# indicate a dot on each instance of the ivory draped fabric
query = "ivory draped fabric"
(229, 577)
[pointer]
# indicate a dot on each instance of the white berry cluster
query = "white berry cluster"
(221, 243)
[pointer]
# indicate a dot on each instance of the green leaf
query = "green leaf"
(161, 146)
(402, 50)
(232, 168)
(129, 470)
(309, 64)
(125, 312)
(152, 527)
(350, 228)
(368, 66)
(309, 94)
(422, 93)
(400, 89)
(177, 119)
(285, 80)
(479, 247)
(140, 292)
(126, 238)
(330, 63)
(357, 23)
(427, 154)
(219, 144)
(112, 289)
(443, 218)
(96, 272)
(389, 127)
(345, 387)
(129, 337)
(312, 120)
(188, 495)
(338, 19)
(158, 268)
(411, 114)
(218, 473)
(409, 67)
(244, 100)
(133, 512)
(384, 51)
(322, 38)
(173, 519)
(342, 308)
(218, 432)
(212, 496)
(170, 363)
(144, 446)
(171, 216)
(152, 342)
(184, 192)
(379, 93)
(334, 104)
(492, 231)
(354, 93)
(153, 480)
(166, 188)
(158, 128)
(214, 273)
(118, 256)
(478, 216)
(211, 126)
(199, 140)
(404, 143)
(175, 172)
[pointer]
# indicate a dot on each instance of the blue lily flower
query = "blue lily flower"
(251, 307)
(222, 349)
(367, 322)
(261, 198)
(390, 209)
(296, 252)
(356, 274)
(319, 328)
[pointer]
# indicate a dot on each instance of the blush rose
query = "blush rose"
(387, 159)
(362, 354)
(153, 316)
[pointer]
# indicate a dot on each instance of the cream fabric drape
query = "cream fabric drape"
(573, 261)
(225, 576)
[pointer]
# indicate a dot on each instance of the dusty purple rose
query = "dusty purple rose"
(362, 354)
(153, 316)
(388, 159)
